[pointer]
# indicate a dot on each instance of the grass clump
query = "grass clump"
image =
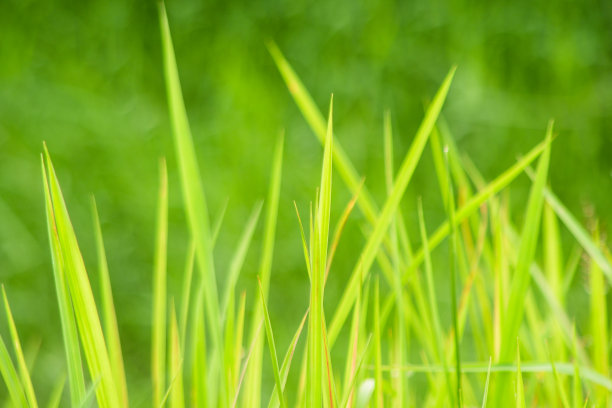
(507, 303)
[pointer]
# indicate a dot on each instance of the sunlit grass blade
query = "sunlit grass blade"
(88, 321)
(252, 392)
(522, 276)
(577, 396)
(391, 205)
(272, 347)
(364, 393)
(193, 195)
(186, 293)
(286, 365)
(559, 386)
(26, 380)
(350, 388)
(245, 366)
(88, 398)
(175, 362)
(199, 387)
(111, 328)
(520, 392)
(158, 322)
(70, 334)
(11, 378)
(486, 388)
(378, 378)
(599, 324)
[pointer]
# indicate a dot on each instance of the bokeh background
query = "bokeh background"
(86, 77)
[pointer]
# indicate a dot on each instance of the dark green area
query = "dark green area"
(86, 77)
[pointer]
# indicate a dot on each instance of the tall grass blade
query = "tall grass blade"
(486, 388)
(88, 321)
(253, 385)
(194, 198)
(11, 379)
(520, 391)
(55, 397)
(70, 334)
(111, 328)
(175, 362)
(158, 323)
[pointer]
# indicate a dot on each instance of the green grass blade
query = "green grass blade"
(272, 347)
(520, 392)
(158, 323)
(11, 379)
(111, 328)
(253, 386)
(486, 388)
(348, 392)
(378, 378)
(559, 386)
(382, 224)
(246, 365)
(89, 394)
(70, 334)
(193, 195)
(286, 365)
(26, 381)
(175, 362)
(186, 293)
(529, 236)
(88, 321)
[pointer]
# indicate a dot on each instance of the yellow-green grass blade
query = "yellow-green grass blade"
(175, 363)
(520, 391)
(158, 323)
(111, 328)
(486, 388)
(559, 385)
(252, 392)
(352, 353)
(239, 255)
(186, 293)
(193, 195)
(391, 205)
(87, 318)
(238, 341)
(529, 235)
(26, 380)
(577, 396)
(272, 348)
(599, 324)
(246, 365)
(286, 365)
(378, 377)
(70, 334)
(304, 244)
(55, 397)
(199, 386)
(11, 378)
(88, 398)
(474, 203)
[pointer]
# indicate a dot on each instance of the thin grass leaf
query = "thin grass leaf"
(186, 293)
(88, 398)
(577, 396)
(111, 328)
(26, 381)
(286, 365)
(559, 386)
(246, 365)
(193, 195)
(11, 379)
(381, 226)
(378, 378)
(253, 385)
(364, 393)
(70, 334)
(175, 362)
(158, 323)
(520, 392)
(87, 318)
(486, 388)
(353, 380)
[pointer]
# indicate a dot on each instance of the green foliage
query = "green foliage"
(406, 345)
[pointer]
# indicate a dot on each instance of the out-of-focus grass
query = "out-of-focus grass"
(86, 79)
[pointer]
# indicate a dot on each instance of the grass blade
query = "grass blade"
(520, 392)
(486, 389)
(111, 328)
(193, 195)
(175, 363)
(26, 381)
(158, 323)
(56, 394)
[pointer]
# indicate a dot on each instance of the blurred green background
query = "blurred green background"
(86, 77)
